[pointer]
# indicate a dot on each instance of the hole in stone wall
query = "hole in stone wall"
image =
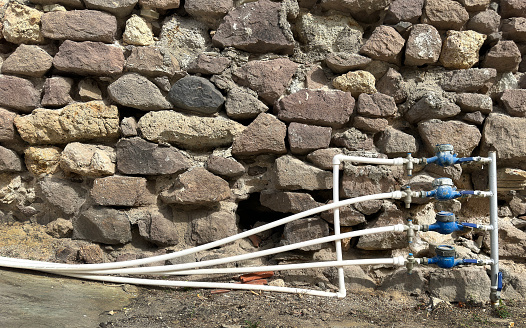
(251, 211)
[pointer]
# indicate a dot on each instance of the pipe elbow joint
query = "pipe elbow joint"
(336, 160)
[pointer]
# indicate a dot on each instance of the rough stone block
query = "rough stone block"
(445, 14)
(423, 45)
(305, 138)
(42, 160)
(265, 135)
(241, 29)
(57, 91)
(385, 44)
(89, 58)
(289, 168)
(197, 187)
(196, 94)
(138, 156)
(303, 230)
(18, 93)
(287, 202)
(75, 122)
(82, 25)
(504, 57)
(319, 107)
(122, 191)
(356, 82)
(189, 132)
(136, 91)
(514, 101)
(462, 136)
(27, 60)
(63, 194)
(225, 167)
(269, 78)
(103, 225)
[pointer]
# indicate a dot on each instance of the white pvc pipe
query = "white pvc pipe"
(494, 233)
(338, 244)
(53, 267)
(169, 283)
(196, 284)
(124, 264)
(380, 161)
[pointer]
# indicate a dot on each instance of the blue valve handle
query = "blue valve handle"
(499, 282)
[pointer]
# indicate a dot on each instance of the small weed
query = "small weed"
(478, 319)
(250, 324)
(502, 310)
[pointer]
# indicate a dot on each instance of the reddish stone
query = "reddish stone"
(342, 62)
(152, 61)
(79, 25)
(242, 28)
(18, 93)
(504, 57)
(405, 11)
(305, 138)
(226, 167)
(514, 101)
(385, 44)
(57, 91)
(485, 22)
(28, 60)
(287, 202)
(445, 14)
(89, 58)
(392, 84)
(8, 131)
(368, 124)
(269, 78)
(206, 64)
(376, 105)
(122, 191)
(462, 136)
(266, 134)
(318, 107)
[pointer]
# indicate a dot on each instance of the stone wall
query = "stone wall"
(137, 127)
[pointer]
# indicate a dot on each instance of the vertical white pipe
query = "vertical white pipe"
(494, 221)
(338, 243)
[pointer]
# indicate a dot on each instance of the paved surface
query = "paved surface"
(30, 300)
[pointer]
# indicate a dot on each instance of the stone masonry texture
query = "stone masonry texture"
(167, 123)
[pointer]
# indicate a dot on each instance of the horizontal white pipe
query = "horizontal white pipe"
(400, 260)
(124, 264)
(198, 284)
(357, 159)
(49, 267)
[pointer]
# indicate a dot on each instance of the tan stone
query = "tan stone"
(22, 24)
(356, 83)
(88, 160)
(461, 49)
(138, 32)
(191, 132)
(75, 122)
(42, 160)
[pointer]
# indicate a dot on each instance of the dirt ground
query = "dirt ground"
(200, 308)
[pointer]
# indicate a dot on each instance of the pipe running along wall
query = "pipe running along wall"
(102, 272)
